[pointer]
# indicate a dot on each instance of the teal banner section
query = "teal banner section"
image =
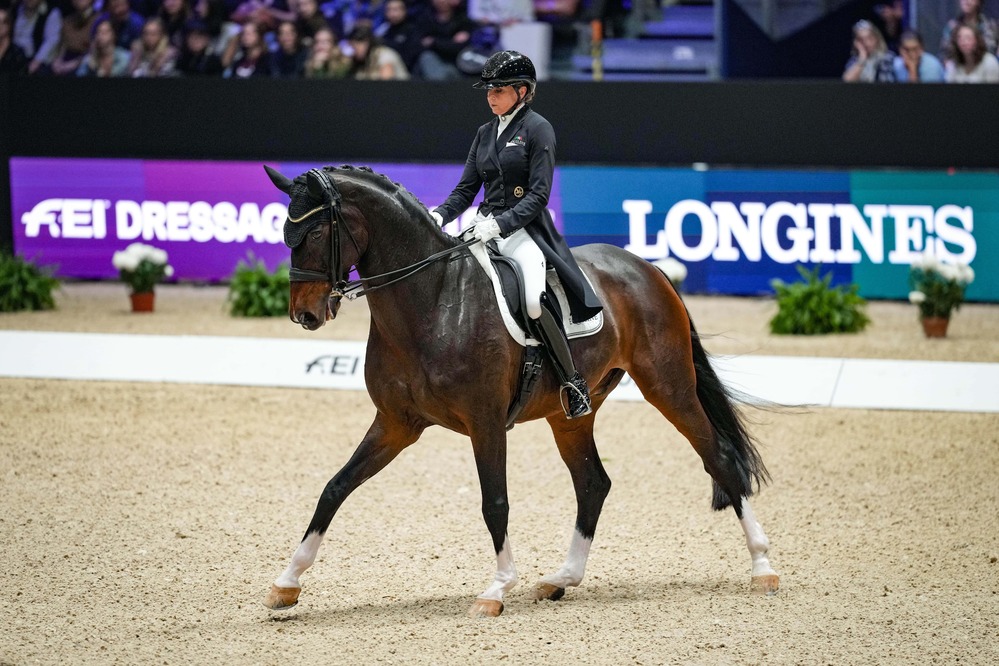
(955, 216)
(738, 230)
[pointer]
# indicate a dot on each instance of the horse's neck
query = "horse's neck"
(396, 237)
(397, 240)
(432, 308)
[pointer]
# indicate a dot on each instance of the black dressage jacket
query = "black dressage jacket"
(517, 171)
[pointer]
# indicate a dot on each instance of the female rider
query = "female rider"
(513, 156)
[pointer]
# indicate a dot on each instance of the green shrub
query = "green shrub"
(813, 307)
(256, 292)
(23, 286)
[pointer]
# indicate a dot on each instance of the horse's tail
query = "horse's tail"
(734, 441)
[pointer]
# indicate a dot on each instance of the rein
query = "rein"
(353, 289)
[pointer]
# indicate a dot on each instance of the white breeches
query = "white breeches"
(520, 247)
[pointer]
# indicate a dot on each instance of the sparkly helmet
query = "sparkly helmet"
(506, 68)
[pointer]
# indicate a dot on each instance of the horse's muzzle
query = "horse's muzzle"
(307, 320)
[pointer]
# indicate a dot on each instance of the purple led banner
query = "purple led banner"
(75, 213)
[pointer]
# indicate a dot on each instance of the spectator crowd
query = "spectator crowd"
(359, 39)
(401, 39)
(967, 52)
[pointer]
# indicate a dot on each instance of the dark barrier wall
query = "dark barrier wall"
(748, 124)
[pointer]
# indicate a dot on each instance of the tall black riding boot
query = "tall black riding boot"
(549, 329)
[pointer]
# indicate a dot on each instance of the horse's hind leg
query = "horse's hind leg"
(694, 401)
(380, 446)
(591, 483)
(765, 580)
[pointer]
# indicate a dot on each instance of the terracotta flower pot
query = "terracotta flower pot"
(935, 327)
(143, 302)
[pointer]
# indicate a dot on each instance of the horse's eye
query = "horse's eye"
(316, 233)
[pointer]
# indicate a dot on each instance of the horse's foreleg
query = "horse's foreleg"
(490, 462)
(378, 448)
(591, 484)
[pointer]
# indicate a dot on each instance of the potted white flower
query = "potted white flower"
(938, 290)
(142, 267)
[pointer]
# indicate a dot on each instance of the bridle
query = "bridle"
(332, 200)
(341, 287)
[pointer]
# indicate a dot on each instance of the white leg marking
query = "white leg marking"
(756, 541)
(506, 574)
(571, 573)
(303, 558)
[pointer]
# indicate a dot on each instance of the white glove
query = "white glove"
(438, 218)
(485, 231)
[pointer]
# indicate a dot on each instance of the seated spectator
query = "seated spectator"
(12, 57)
(126, 23)
(972, 63)
(74, 41)
(288, 60)
(37, 26)
(196, 57)
(175, 15)
(247, 55)
(400, 32)
(970, 14)
(215, 15)
(892, 18)
(326, 60)
(152, 54)
(871, 61)
(309, 20)
(344, 15)
(265, 13)
(373, 61)
(105, 58)
(914, 64)
(446, 31)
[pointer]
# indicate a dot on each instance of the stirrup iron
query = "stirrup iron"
(578, 397)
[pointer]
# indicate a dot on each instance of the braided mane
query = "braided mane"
(367, 175)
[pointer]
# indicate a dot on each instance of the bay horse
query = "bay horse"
(438, 354)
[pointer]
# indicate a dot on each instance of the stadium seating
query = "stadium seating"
(680, 46)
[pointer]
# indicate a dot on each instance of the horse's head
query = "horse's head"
(313, 231)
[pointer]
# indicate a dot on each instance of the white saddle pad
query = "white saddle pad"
(572, 329)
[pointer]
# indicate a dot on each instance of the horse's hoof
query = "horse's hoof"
(486, 608)
(765, 585)
(543, 591)
(280, 598)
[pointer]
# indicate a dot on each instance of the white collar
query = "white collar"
(504, 121)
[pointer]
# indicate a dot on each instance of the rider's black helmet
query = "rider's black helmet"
(506, 68)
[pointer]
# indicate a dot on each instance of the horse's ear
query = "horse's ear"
(317, 188)
(280, 180)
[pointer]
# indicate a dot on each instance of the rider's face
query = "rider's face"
(501, 100)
